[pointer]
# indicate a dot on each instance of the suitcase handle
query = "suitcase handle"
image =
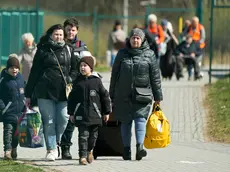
(106, 123)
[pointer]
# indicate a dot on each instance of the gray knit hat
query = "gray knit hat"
(137, 32)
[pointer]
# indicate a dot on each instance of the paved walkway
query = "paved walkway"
(189, 151)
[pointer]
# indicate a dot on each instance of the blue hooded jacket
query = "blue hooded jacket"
(11, 96)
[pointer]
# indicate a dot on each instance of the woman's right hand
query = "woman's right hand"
(28, 101)
(156, 103)
(71, 118)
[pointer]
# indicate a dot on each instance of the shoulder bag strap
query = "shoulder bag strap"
(133, 75)
(59, 66)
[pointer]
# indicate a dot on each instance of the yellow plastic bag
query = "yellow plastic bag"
(157, 130)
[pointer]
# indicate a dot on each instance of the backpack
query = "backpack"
(157, 130)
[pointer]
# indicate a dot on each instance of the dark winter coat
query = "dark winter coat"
(77, 46)
(45, 80)
(187, 50)
(89, 100)
(11, 92)
(121, 80)
(151, 38)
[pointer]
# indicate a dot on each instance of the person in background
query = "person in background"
(154, 35)
(116, 40)
(88, 104)
(197, 31)
(47, 81)
(26, 56)
(135, 68)
(187, 23)
(11, 104)
(167, 60)
(71, 26)
(168, 31)
(187, 53)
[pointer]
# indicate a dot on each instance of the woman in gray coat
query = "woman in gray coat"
(134, 87)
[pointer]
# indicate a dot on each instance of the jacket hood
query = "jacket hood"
(96, 74)
(93, 75)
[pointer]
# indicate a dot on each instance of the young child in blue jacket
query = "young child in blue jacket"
(11, 104)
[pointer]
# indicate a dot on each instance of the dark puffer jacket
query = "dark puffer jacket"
(89, 100)
(45, 80)
(121, 80)
(12, 94)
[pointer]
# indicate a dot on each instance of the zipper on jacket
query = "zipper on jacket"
(86, 111)
(18, 96)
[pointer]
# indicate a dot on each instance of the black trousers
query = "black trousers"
(68, 134)
(181, 61)
(10, 141)
(87, 137)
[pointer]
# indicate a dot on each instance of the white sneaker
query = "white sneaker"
(52, 155)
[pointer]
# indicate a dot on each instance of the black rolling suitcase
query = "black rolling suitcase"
(109, 142)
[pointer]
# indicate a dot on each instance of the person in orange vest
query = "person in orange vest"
(197, 31)
(154, 34)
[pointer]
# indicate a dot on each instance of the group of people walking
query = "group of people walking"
(59, 59)
(172, 53)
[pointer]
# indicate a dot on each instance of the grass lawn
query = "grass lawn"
(218, 100)
(10, 166)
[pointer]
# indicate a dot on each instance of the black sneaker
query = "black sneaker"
(14, 154)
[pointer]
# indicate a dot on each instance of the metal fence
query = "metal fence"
(94, 27)
(13, 23)
(219, 47)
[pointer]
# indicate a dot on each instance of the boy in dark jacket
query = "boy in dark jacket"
(71, 26)
(186, 53)
(11, 104)
(88, 103)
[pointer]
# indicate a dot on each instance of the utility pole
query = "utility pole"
(125, 14)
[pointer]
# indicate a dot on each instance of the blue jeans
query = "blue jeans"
(126, 131)
(54, 119)
(113, 56)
